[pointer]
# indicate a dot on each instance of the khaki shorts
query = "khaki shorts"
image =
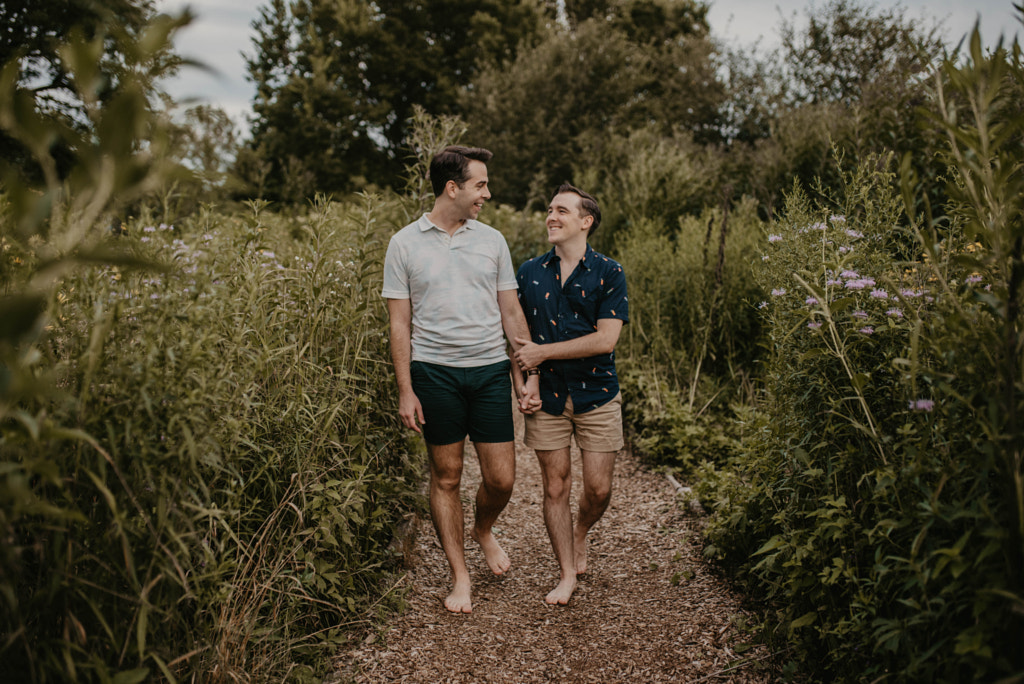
(597, 430)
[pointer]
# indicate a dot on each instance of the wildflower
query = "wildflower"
(762, 305)
(819, 226)
(778, 292)
(973, 278)
(859, 314)
(835, 218)
(164, 226)
(154, 296)
(810, 301)
(207, 237)
(895, 313)
(774, 238)
(149, 229)
(879, 294)
(833, 281)
(143, 239)
(267, 254)
(764, 258)
(850, 274)
(921, 405)
(814, 325)
(867, 330)
(854, 284)
(854, 234)
(845, 250)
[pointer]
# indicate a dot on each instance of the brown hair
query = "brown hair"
(452, 164)
(588, 205)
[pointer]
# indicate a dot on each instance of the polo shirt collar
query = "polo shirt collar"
(426, 224)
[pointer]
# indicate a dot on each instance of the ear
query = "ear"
(450, 188)
(587, 222)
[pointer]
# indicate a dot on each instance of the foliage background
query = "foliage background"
(202, 473)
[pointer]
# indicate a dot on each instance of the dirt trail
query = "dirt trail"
(649, 609)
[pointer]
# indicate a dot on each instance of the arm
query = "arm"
(514, 323)
(601, 341)
(409, 408)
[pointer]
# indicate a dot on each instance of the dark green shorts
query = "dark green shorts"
(459, 401)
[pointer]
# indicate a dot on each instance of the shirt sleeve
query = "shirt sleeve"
(614, 302)
(506, 273)
(396, 278)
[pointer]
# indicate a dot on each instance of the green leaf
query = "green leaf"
(135, 676)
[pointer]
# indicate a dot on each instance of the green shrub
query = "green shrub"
(876, 506)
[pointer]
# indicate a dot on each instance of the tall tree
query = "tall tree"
(615, 66)
(337, 80)
(31, 34)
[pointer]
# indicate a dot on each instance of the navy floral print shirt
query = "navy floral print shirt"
(596, 289)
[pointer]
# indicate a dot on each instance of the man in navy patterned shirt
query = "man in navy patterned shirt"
(575, 303)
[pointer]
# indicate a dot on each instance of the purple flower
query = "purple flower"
(879, 294)
(845, 250)
(810, 301)
(910, 293)
(764, 258)
(774, 238)
(921, 405)
(867, 330)
(850, 274)
(149, 229)
(854, 233)
(897, 313)
(762, 305)
(833, 281)
(819, 226)
(974, 278)
(778, 292)
(859, 314)
(855, 284)
(835, 218)
(814, 325)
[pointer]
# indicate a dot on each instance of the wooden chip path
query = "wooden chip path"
(650, 609)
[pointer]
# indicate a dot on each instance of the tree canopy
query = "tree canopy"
(337, 80)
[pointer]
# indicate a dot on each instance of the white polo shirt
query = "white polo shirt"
(453, 282)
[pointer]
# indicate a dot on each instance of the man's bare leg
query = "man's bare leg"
(497, 476)
(446, 512)
(598, 467)
(556, 472)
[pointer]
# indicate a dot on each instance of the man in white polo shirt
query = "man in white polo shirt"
(452, 301)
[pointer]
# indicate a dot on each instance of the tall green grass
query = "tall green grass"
(877, 505)
(230, 512)
(202, 469)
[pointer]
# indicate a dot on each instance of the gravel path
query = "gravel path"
(649, 609)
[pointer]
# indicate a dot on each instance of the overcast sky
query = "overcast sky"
(222, 32)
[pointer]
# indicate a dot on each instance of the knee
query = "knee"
(446, 479)
(557, 488)
(600, 495)
(500, 485)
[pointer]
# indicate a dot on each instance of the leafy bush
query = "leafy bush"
(877, 504)
(692, 332)
(200, 474)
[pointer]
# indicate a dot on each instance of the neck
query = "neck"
(445, 219)
(571, 252)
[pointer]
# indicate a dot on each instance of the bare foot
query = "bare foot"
(496, 557)
(561, 594)
(579, 549)
(458, 601)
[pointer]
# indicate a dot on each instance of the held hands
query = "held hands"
(529, 402)
(410, 410)
(530, 355)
